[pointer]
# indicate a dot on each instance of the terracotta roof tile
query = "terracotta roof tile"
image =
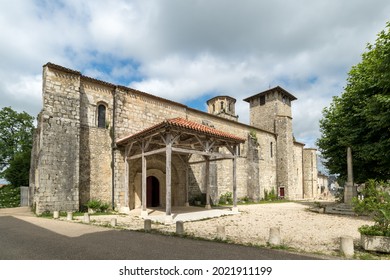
(184, 124)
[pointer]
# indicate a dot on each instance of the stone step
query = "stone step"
(341, 209)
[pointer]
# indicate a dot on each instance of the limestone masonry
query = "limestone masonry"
(76, 158)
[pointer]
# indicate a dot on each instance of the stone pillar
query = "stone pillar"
(69, 216)
(86, 218)
(346, 246)
(147, 225)
(180, 227)
(56, 214)
(348, 189)
(274, 236)
(221, 232)
(113, 222)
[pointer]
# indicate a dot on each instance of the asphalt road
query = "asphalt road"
(32, 238)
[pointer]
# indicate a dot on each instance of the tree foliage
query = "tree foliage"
(376, 202)
(16, 130)
(360, 118)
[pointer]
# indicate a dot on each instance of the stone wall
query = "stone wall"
(310, 187)
(297, 171)
(95, 142)
(284, 153)
(55, 175)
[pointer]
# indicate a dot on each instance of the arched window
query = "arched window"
(221, 105)
(271, 150)
(213, 108)
(102, 116)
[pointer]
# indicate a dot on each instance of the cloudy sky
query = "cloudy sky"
(189, 51)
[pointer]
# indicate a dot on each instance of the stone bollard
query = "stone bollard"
(221, 232)
(69, 216)
(113, 222)
(56, 214)
(147, 225)
(180, 227)
(274, 236)
(86, 218)
(346, 246)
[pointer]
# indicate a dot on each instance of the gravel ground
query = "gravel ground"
(301, 229)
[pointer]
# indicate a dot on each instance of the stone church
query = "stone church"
(131, 149)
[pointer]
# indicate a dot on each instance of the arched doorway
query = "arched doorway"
(152, 192)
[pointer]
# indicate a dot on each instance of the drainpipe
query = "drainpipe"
(113, 146)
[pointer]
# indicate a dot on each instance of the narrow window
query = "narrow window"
(102, 116)
(262, 100)
(271, 150)
(221, 105)
(213, 108)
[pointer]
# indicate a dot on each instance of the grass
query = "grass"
(9, 197)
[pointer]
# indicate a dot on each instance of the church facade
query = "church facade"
(97, 140)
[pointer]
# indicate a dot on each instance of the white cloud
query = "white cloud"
(182, 50)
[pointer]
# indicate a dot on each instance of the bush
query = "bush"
(376, 203)
(9, 197)
(226, 198)
(199, 198)
(97, 205)
(270, 196)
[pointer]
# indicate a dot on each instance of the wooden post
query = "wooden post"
(168, 178)
(207, 182)
(144, 212)
(235, 209)
(187, 177)
(126, 182)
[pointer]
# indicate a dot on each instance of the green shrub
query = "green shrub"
(245, 199)
(270, 196)
(9, 197)
(226, 198)
(376, 203)
(97, 205)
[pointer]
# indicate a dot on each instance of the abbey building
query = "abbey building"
(97, 140)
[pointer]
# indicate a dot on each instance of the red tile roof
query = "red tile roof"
(277, 88)
(187, 125)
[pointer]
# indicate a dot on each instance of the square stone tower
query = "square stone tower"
(270, 110)
(267, 106)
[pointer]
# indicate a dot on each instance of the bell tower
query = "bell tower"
(223, 106)
(270, 110)
(267, 106)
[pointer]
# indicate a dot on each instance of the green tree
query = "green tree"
(16, 130)
(376, 203)
(360, 117)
